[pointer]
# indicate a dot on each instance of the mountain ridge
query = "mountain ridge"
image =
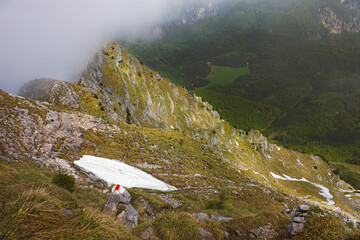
(120, 109)
(247, 150)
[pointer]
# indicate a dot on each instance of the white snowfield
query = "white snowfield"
(113, 171)
(325, 192)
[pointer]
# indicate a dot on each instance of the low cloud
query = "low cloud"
(56, 38)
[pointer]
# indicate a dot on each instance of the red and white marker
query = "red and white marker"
(118, 189)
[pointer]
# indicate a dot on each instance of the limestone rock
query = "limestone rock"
(125, 196)
(118, 195)
(112, 203)
(129, 217)
(201, 217)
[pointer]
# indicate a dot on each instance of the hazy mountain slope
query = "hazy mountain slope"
(196, 11)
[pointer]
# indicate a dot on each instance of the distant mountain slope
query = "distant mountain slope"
(303, 86)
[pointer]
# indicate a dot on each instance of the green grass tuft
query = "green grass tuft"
(176, 226)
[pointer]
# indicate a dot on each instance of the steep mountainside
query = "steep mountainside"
(295, 81)
(120, 109)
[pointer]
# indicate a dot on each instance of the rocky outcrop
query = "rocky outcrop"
(351, 4)
(128, 217)
(298, 220)
(335, 24)
(50, 90)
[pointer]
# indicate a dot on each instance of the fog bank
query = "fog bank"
(56, 38)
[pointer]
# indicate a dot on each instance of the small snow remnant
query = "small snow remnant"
(116, 172)
(325, 192)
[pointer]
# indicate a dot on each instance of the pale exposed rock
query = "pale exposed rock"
(220, 218)
(66, 211)
(204, 233)
(303, 208)
(129, 217)
(201, 217)
(112, 203)
(299, 219)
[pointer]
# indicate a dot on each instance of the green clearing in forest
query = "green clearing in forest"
(223, 75)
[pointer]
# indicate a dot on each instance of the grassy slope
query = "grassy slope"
(31, 207)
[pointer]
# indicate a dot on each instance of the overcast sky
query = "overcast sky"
(56, 38)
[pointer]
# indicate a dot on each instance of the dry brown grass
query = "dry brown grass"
(34, 215)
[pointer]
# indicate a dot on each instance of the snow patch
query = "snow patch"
(116, 172)
(325, 192)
